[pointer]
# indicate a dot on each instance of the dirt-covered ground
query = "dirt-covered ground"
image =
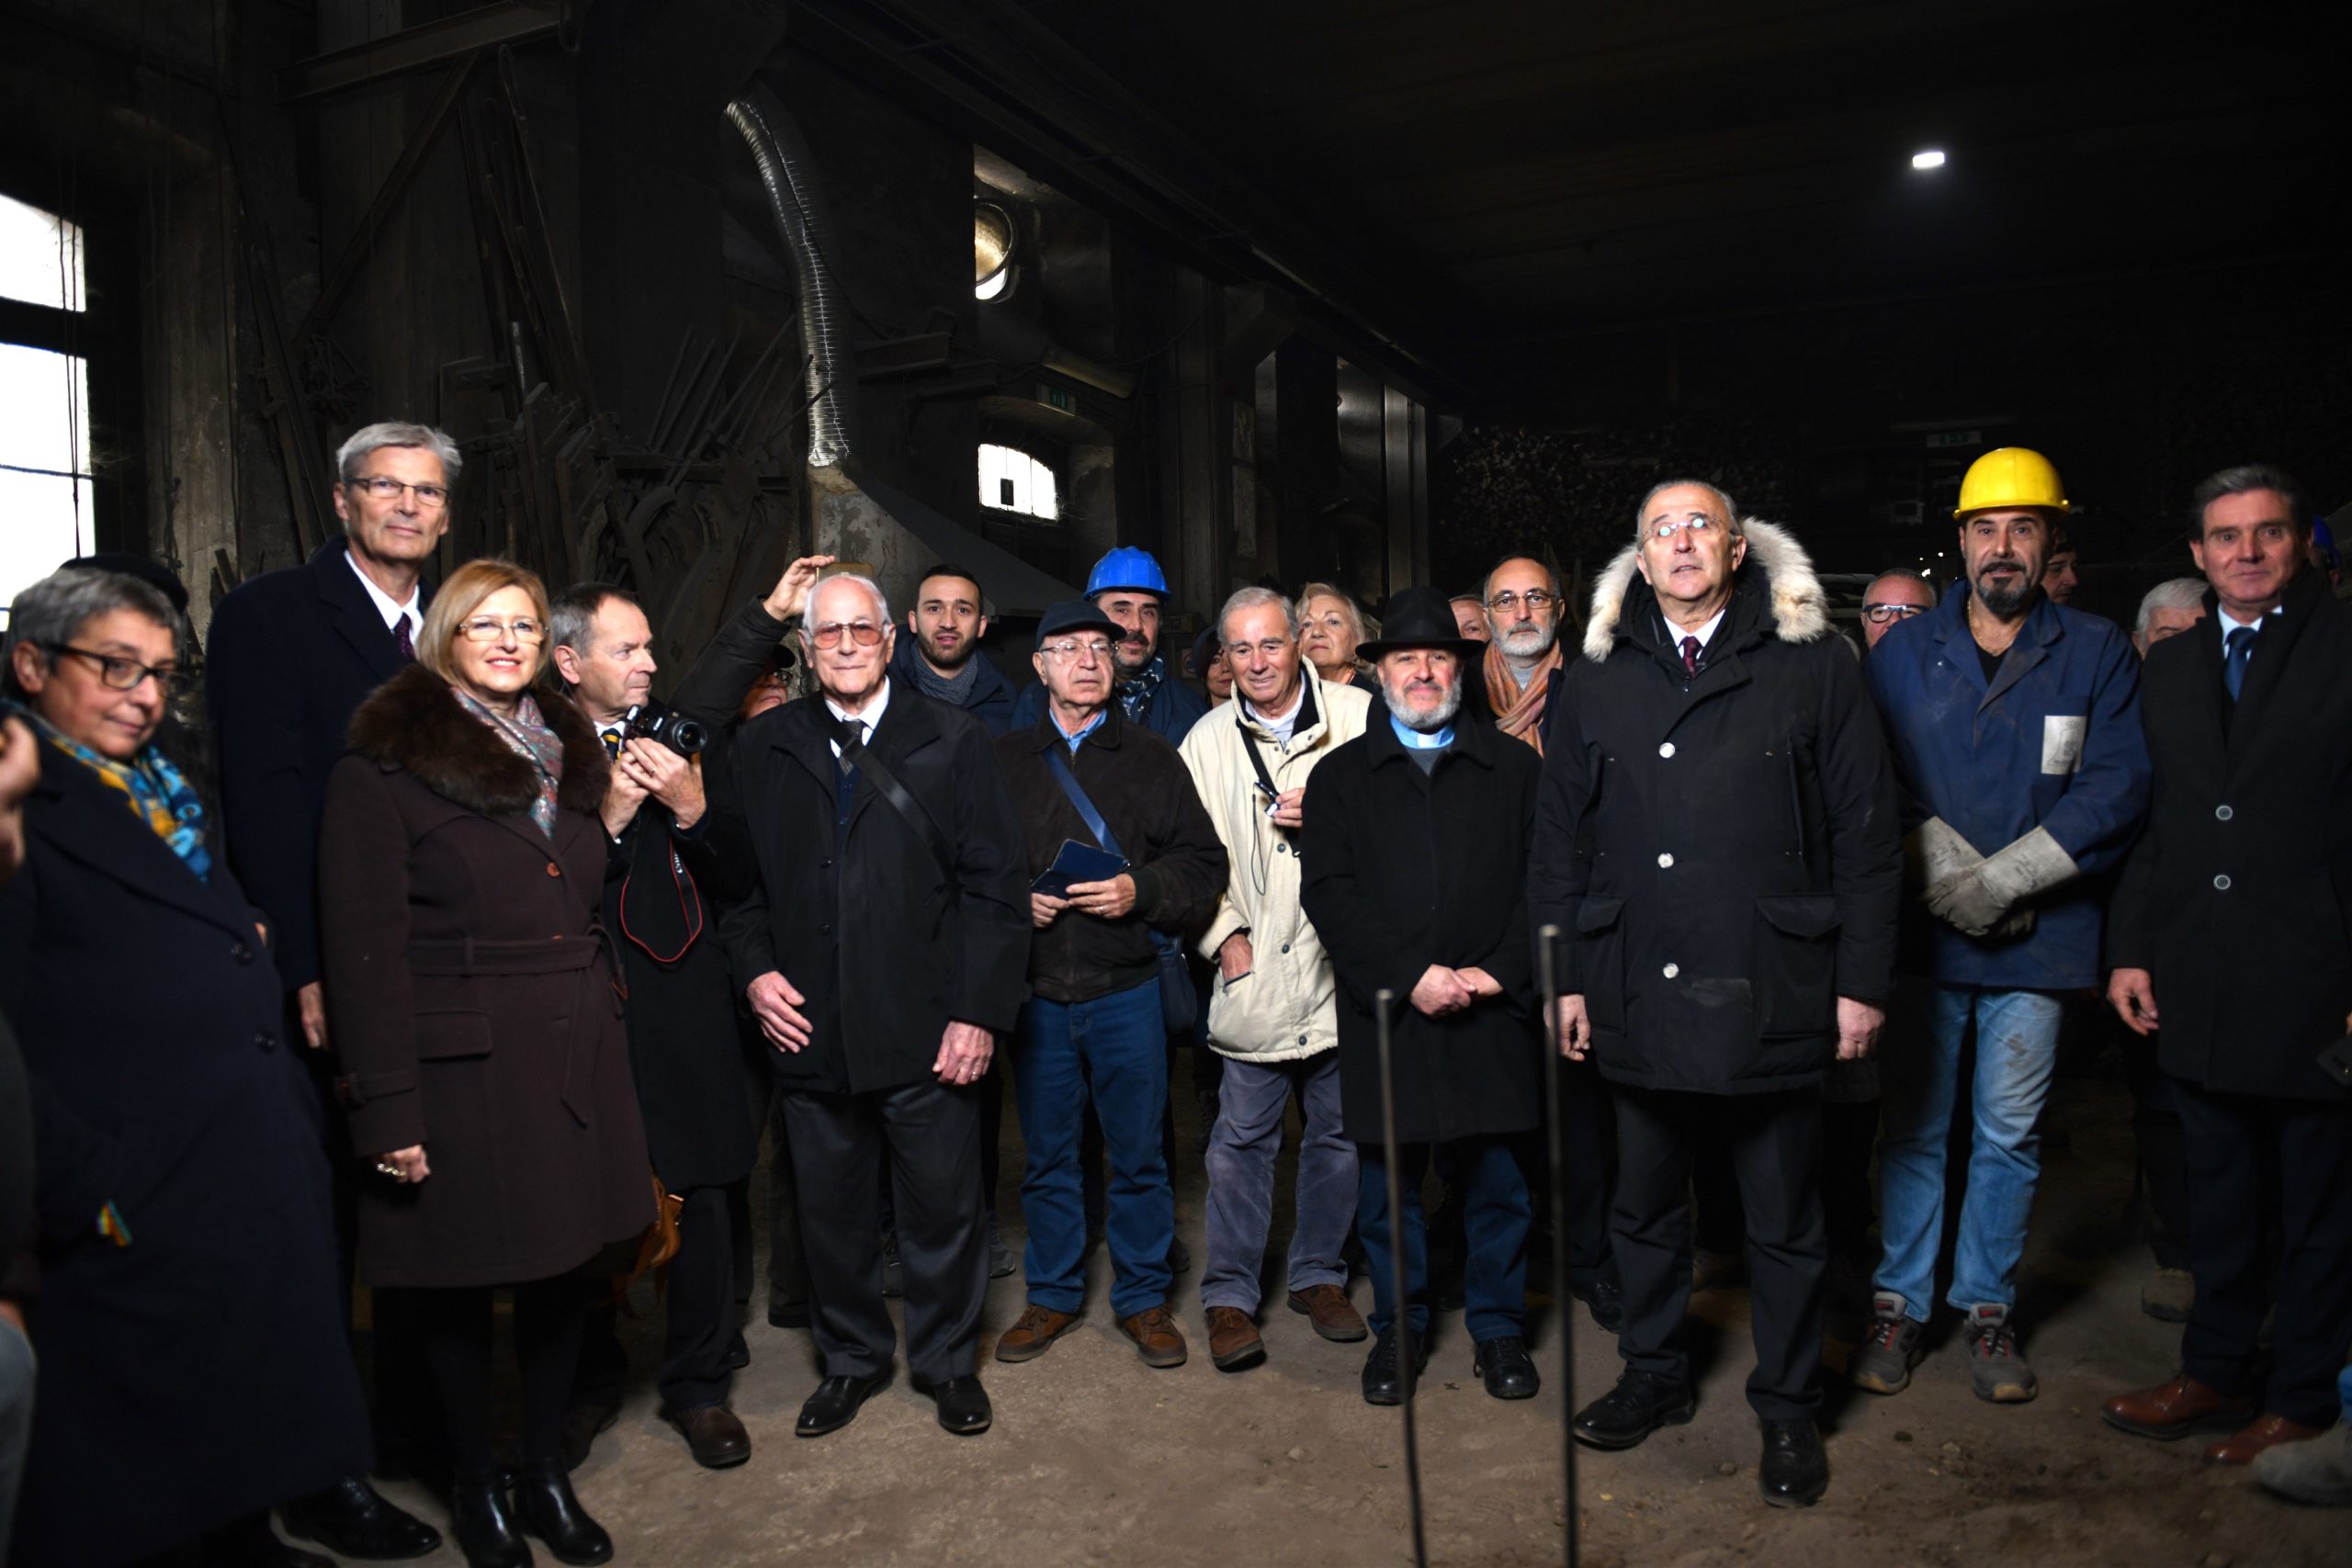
(1095, 1459)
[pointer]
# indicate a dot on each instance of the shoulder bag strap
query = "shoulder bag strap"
(1058, 759)
(856, 754)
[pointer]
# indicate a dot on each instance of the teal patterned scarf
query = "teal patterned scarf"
(153, 788)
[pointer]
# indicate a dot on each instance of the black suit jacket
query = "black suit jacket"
(886, 946)
(293, 655)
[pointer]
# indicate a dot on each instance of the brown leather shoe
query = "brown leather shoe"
(714, 1435)
(2173, 1410)
(1327, 1307)
(1234, 1342)
(1033, 1333)
(1158, 1339)
(2239, 1448)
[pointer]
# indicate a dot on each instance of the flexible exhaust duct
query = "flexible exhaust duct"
(790, 176)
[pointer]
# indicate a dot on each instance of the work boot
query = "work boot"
(1882, 1363)
(1158, 1339)
(1383, 1369)
(2168, 1295)
(1998, 1369)
(1795, 1471)
(1638, 1406)
(2270, 1432)
(2172, 1410)
(1334, 1316)
(1234, 1344)
(2318, 1471)
(1503, 1364)
(1033, 1333)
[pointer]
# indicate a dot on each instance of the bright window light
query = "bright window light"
(1012, 480)
(44, 407)
(1931, 159)
(997, 284)
(41, 257)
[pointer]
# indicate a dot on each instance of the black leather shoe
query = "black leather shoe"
(1638, 1406)
(1508, 1369)
(1383, 1381)
(350, 1519)
(581, 1424)
(1794, 1472)
(545, 1502)
(1606, 1300)
(835, 1404)
(482, 1520)
(714, 1435)
(963, 1406)
(436, 1474)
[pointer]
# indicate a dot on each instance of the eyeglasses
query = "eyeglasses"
(1270, 649)
(383, 488)
(1696, 525)
(1535, 599)
(1879, 614)
(1064, 651)
(865, 633)
(489, 628)
(124, 674)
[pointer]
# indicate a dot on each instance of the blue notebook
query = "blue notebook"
(1077, 862)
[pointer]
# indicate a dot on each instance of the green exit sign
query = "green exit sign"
(1057, 398)
(1956, 438)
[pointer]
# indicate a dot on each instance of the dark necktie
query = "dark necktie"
(2241, 653)
(403, 641)
(1691, 654)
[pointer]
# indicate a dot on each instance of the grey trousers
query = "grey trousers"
(1242, 1147)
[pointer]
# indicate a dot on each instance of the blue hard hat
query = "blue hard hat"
(1128, 568)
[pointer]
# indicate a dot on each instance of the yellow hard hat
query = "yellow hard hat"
(2010, 476)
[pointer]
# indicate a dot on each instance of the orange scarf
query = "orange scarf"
(1518, 708)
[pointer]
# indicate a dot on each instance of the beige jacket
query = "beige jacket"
(1285, 1009)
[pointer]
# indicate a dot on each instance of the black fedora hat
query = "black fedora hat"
(1421, 617)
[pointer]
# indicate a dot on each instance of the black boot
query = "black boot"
(543, 1500)
(483, 1522)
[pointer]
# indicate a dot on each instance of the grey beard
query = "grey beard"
(2004, 602)
(1529, 642)
(1428, 723)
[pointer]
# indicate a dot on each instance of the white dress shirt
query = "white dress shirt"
(391, 609)
(867, 722)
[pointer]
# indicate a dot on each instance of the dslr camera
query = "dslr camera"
(685, 736)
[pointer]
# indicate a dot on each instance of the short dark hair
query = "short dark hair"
(950, 568)
(573, 611)
(2061, 541)
(2246, 477)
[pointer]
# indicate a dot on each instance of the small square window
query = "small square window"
(1013, 480)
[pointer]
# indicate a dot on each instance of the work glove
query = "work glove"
(1977, 899)
(1934, 851)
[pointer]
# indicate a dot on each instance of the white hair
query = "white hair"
(396, 432)
(873, 589)
(1731, 513)
(1250, 598)
(2179, 593)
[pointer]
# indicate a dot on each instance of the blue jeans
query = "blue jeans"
(1250, 1103)
(2016, 1046)
(1495, 1212)
(1111, 1050)
(17, 1374)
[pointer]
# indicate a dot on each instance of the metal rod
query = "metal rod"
(1563, 1300)
(1384, 1004)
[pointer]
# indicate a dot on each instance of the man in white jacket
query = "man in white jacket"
(1273, 1014)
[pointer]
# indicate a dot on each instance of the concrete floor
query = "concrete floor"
(1096, 1459)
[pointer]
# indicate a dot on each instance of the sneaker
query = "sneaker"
(1882, 1363)
(2168, 1295)
(1998, 1369)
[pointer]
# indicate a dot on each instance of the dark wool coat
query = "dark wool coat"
(1721, 852)
(2238, 898)
(865, 923)
(291, 655)
(471, 995)
(1402, 870)
(202, 1372)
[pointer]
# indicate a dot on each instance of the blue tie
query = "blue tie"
(2241, 653)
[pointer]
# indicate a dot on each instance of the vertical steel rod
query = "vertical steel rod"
(1563, 1299)
(1384, 1004)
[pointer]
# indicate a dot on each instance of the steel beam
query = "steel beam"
(413, 49)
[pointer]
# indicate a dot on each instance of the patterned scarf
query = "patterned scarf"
(1136, 692)
(153, 788)
(528, 735)
(1518, 708)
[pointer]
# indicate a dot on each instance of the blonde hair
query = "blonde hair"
(461, 596)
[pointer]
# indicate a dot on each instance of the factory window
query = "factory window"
(44, 400)
(1012, 480)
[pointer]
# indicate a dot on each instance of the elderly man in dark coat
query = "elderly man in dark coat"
(883, 950)
(1718, 838)
(1414, 854)
(2231, 919)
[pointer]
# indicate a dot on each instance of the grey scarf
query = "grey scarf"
(952, 689)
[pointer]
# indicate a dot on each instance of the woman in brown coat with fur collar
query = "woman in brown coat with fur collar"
(461, 861)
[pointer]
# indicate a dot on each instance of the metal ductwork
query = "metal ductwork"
(790, 172)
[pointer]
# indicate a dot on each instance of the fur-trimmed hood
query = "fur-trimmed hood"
(414, 722)
(1800, 609)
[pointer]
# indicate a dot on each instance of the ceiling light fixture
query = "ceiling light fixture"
(1931, 159)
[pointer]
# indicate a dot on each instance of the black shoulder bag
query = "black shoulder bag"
(1179, 1008)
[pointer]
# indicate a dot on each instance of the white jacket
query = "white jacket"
(1285, 1008)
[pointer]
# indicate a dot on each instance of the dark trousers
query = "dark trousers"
(2159, 1154)
(1586, 1148)
(1495, 1215)
(788, 1259)
(930, 1134)
(1774, 1142)
(2227, 1138)
(699, 1331)
(1848, 1138)
(550, 1316)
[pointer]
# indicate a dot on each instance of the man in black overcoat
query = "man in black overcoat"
(1717, 838)
(1414, 870)
(2233, 925)
(676, 854)
(883, 948)
(293, 653)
